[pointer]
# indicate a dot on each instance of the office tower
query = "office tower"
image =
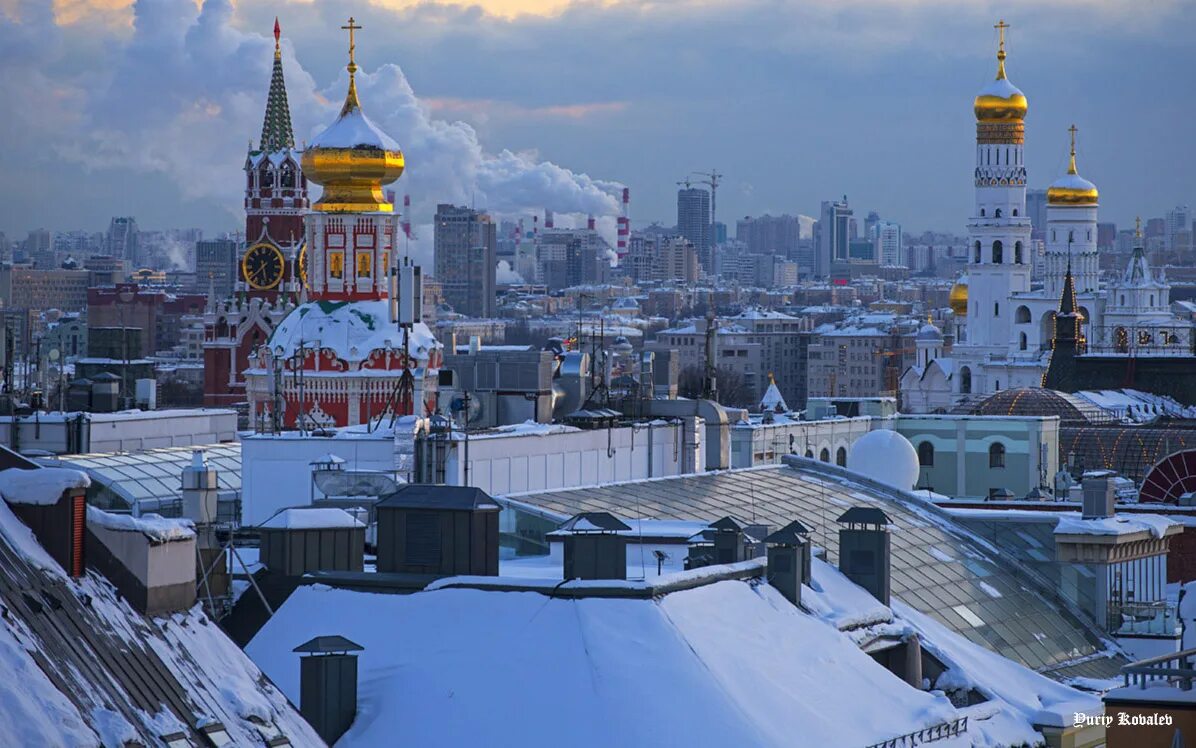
(121, 240)
(465, 248)
(693, 222)
(1036, 209)
(833, 236)
(216, 267)
(888, 244)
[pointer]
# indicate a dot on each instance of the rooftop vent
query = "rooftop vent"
(594, 546)
(1100, 495)
(864, 549)
(438, 530)
(328, 684)
(723, 541)
(789, 560)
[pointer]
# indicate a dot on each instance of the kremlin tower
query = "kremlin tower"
(271, 264)
(1072, 203)
(351, 351)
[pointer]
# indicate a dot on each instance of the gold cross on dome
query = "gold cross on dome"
(352, 45)
(1000, 27)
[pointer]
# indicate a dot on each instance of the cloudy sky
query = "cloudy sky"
(146, 108)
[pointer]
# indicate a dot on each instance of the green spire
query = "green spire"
(276, 126)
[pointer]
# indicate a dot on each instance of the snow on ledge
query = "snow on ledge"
(311, 518)
(157, 529)
(42, 486)
(1072, 523)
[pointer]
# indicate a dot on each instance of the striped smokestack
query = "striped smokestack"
(624, 223)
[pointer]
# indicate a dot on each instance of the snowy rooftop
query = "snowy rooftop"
(938, 567)
(354, 130)
(683, 668)
(311, 518)
(44, 486)
(82, 668)
(351, 330)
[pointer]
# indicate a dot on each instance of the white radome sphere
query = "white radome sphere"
(885, 456)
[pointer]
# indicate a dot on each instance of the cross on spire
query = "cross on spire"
(1138, 227)
(351, 27)
(1071, 169)
(1000, 27)
(351, 101)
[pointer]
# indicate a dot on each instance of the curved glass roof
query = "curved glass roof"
(938, 567)
(152, 479)
(1038, 401)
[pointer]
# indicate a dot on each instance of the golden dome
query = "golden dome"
(1000, 101)
(958, 300)
(1072, 189)
(353, 158)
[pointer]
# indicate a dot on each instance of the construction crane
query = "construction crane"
(684, 183)
(711, 181)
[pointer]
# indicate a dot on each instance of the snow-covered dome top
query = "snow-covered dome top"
(353, 158)
(1071, 188)
(929, 332)
(885, 456)
(1000, 100)
(352, 330)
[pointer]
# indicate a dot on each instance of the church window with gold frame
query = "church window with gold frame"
(336, 265)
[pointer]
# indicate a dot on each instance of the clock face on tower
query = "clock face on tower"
(262, 266)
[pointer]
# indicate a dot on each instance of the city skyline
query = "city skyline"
(899, 105)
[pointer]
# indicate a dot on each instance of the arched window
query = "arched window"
(997, 213)
(982, 213)
(1071, 237)
(1015, 212)
(1152, 299)
(1121, 339)
(1021, 341)
(1123, 299)
(977, 248)
(965, 381)
(996, 309)
(809, 454)
(1022, 315)
(926, 454)
(841, 457)
(288, 175)
(998, 252)
(1052, 235)
(265, 178)
(1017, 250)
(996, 455)
(996, 385)
(824, 455)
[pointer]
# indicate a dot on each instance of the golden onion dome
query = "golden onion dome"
(353, 158)
(1071, 188)
(1000, 100)
(958, 300)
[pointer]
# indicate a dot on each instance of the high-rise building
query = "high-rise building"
(1106, 235)
(465, 247)
(1036, 209)
(888, 244)
(1178, 223)
(693, 223)
(654, 257)
(832, 236)
(769, 235)
(122, 239)
(216, 267)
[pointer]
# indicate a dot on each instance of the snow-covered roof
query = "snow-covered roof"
(1072, 523)
(350, 329)
(354, 130)
(311, 518)
(132, 679)
(157, 528)
(39, 486)
(453, 681)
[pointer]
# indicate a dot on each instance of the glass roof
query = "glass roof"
(938, 567)
(152, 478)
